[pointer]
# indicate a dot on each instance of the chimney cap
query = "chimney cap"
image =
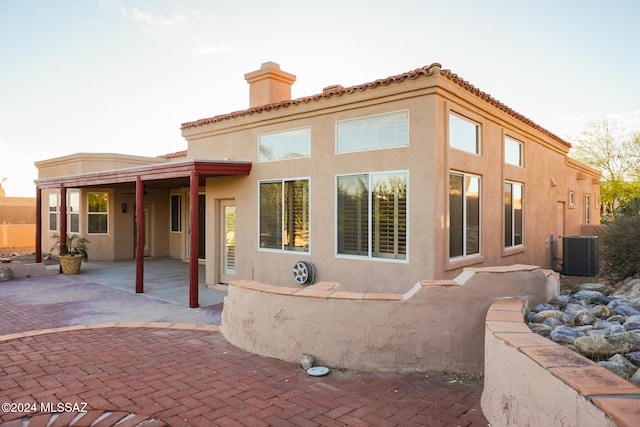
(270, 70)
(270, 65)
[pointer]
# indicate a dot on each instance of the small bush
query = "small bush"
(620, 247)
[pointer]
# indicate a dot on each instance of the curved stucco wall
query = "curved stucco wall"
(532, 381)
(437, 325)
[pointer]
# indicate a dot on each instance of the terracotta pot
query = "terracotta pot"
(70, 263)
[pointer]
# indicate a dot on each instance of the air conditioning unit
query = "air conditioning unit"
(580, 256)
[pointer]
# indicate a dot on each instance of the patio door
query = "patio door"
(227, 240)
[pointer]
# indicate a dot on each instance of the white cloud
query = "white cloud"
(147, 18)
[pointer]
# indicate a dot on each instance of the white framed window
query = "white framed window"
(53, 212)
(513, 153)
(290, 144)
(74, 211)
(372, 213)
(176, 213)
(98, 213)
(284, 215)
(513, 214)
(373, 132)
(464, 134)
(572, 198)
(464, 215)
(587, 209)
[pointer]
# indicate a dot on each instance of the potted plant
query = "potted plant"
(75, 253)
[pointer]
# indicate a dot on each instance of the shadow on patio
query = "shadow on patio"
(165, 279)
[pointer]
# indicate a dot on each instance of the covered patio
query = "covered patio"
(166, 279)
(190, 174)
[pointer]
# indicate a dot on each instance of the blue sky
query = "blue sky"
(122, 75)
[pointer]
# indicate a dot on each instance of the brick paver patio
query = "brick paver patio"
(180, 374)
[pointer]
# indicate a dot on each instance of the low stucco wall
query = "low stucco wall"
(17, 235)
(437, 325)
(532, 381)
(21, 270)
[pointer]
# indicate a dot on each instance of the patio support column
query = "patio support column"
(139, 213)
(38, 225)
(193, 239)
(63, 222)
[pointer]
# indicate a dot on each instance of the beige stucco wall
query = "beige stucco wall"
(547, 175)
(17, 235)
(532, 381)
(387, 332)
(79, 163)
(17, 221)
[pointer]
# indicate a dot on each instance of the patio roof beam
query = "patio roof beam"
(148, 173)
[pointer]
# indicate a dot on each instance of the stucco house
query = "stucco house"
(376, 186)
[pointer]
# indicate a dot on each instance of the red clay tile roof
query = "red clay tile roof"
(175, 155)
(338, 90)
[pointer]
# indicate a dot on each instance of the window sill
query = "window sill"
(514, 250)
(458, 263)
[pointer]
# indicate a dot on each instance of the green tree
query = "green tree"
(605, 146)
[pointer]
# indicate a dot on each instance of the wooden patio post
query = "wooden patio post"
(139, 213)
(194, 207)
(63, 222)
(38, 225)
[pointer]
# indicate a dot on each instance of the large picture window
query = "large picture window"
(98, 213)
(513, 210)
(464, 134)
(285, 145)
(372, 215)
(53, 212)
(284, 215)
(464, 215)
(74, 212)
(374, 132)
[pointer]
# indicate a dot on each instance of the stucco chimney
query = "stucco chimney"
(269, 85)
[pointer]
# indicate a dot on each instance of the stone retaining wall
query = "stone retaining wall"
(532, 381)
(436, 325)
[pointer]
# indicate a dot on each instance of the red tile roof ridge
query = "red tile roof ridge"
(177, 154)
(338, 90)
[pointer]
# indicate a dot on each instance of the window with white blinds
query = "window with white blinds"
(284, 215)
(374, 132)
(372, 215)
